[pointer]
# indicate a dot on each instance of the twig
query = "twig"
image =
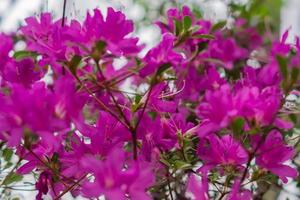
(102, 105)
(113, 98)
(64, 13)
(71, 187)
(62, 25)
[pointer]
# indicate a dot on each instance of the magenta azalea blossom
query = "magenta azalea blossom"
(172, 14)
(227, 51)
(198, 189)
(156, 99)
(114, 181)
(221, 107)
(208, 113)
(45, 36)
(6, 45)
(238, 194)
(217, 111)
(162, 54)
(113, 30)
(273, 154)
(23, 72)
(222, 151)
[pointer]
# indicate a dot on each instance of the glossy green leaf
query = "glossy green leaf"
(218, 26)
(19, 55)
(7, 154)
(283, 66)
(179, 164)
(237, 125)
(187, 23)
(12, 178)
(74, 63)
(178, 27)
(163, 68)
(204, 36)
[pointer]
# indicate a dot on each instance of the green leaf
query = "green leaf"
(197, 12)
(8, 165)
(7, 154)
(100, 45)
(283, 65)
(204, 36)
(179, 164)
(12, 178)
(256, 12)
(180, 138)
(178, 27)
(55, 158)
(294, 74)
(194, 28)
(163, 68)
(293, 117)
(202, 46)
(187, 23)
(19, 55)
(136, 104)
(152, 114)
(171, 79)
(73, 64)
(165, 162)
(137, 98)
(238, 125)
(214, 176)
(98, 50)
(218, 26)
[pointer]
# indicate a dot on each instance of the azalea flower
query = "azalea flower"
(45, 36)
(162, 54)
(23, 72)
(198, 189)
(226, 50)
(221, 107)
(217, 111)
(6, 45)
(113, 180)
(156, 98)
(113, 30)
(273, 154)
(201, 130)
(222, 152)
(237, 193)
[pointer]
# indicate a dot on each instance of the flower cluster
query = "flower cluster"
(197, 121)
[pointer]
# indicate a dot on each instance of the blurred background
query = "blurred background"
(284, 13)
(279, 14)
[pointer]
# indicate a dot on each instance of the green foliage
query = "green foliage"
(218, 26)
(7, 154)
(283, 66)
(184, 157)
(19, 55)
(187, 23)
(12, 178)
(237, 126)
(74, 63)
(260, 13)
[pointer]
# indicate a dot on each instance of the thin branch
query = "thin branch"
(102, 105)
(113, 98)
(64, 13)
(71, 187)
(50, 168)
(145, 105)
